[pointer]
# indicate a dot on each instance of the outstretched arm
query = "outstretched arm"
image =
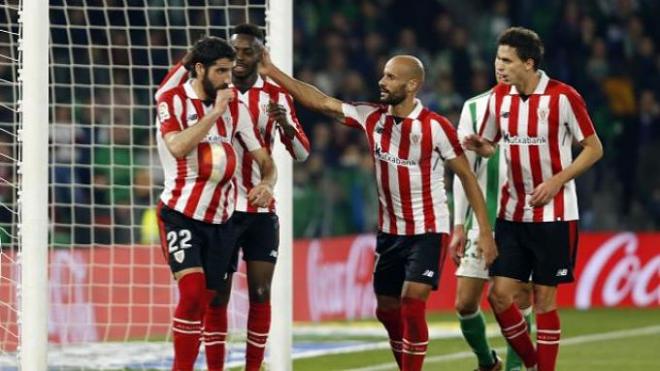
(308, 95)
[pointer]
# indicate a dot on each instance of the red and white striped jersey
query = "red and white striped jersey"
(256, 98)
(409, 160)
(536, 135)
(201, 185)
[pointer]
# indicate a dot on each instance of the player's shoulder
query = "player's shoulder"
(434, 118)
(479, 97)
(367, 105)
(556, 87)
(169, 94)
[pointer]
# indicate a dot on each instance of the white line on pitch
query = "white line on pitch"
(649, 330)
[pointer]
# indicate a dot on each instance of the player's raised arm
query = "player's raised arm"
(308, 95)
(180, 143)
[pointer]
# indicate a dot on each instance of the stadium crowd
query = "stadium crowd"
(103, 172)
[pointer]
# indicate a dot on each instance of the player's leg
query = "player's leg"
(424, 258)
(216, 326)
(510, 271)
(473, 323)
(182, 246)
(260, 244)
(219, 263)
(389, 274)
(555, 250)
(471, 277)
(524, 301)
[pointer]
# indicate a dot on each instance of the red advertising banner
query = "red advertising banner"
(333, 276)
(127, 293)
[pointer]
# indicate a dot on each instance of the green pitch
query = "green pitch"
(598, 339)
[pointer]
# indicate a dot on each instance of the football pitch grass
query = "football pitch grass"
(596, 339)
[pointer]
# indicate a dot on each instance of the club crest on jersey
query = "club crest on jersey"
(191, 117)
(543, 113)
(179, 256)
(415, 137)
(505, 115)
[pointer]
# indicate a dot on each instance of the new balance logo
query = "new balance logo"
(562, 272)
(428, 273)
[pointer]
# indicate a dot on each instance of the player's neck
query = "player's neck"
(529, 84)
(198, 87)
(244, 84)
(404, 108)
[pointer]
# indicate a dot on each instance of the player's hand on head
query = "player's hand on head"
(487, 247)
(222, 99)
(457, 245)
(265, 63)
(261, 195)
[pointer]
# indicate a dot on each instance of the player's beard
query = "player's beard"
(394, 97)
(209, 89)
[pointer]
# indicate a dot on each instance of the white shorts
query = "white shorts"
(472, 263)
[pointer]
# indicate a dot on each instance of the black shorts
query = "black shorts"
(546, 251)
(189, 243)
(257, 236)
(416, 258)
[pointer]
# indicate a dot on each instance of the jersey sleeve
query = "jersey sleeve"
(490, 128)
(446, 139)
(176, 76)
(574, 113)
(466, 126)
(298, 146)
(170, 110)
(355, 114)
(246, 130)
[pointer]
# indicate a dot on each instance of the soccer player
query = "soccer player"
(536, 119)
(256, 228)
(410, 145)
(198, 121)
(472, 274)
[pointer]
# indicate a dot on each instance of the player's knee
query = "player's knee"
(260, 293)
(499, 299)
(466, 306)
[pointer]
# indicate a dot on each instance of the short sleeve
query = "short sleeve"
(176, 76)
(575, 115)
(446, 139)
(490, 128)
(355, 114)
(246, 129)
(170, 108)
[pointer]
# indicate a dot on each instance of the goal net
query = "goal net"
(110, 293)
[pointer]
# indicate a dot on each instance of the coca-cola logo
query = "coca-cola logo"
(341, 288)
(628, 277)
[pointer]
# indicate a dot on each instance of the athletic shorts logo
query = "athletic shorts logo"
(179, 256)
(428, 273)
(273, 253)
(562, 272)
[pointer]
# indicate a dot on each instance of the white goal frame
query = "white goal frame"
(33, 196)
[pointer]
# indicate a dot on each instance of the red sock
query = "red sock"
(514, 329)
(548, 331)
(187, 324)
(258, 327)
(415, 334)
(391, 319)
(215, 336)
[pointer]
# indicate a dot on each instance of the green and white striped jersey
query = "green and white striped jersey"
(490, 172)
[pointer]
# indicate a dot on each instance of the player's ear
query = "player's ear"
(199, 69)
(412, 85)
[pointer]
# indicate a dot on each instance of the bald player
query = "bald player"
(410, 145)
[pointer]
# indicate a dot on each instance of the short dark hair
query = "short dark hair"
(249, 29)
(527, 43)
(207, 50)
